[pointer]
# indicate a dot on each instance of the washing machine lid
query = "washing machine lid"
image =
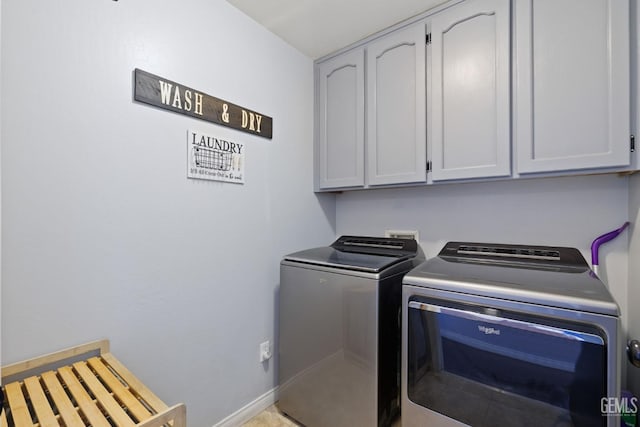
(551, 276)
(359, 253)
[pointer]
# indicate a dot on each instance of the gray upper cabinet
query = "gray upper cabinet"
(498, 88)
(470, 91)
(572, 84)
(340, 150)
(396, 107)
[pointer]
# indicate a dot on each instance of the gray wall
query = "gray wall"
(102, 233)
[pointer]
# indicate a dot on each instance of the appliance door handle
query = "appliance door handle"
(633, 352)
(496, 322)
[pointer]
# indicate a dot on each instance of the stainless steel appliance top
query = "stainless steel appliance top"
(367, 254)
(551, 276)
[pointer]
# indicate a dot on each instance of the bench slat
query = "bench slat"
(85, 403)
(122, 393)
(41, 406)
(105, 399)
(18, 405)
(66, 409)
(136, 385)
(3, 419)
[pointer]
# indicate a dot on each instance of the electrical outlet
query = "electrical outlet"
(265, 351)
(403, 234)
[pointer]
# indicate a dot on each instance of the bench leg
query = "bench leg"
(177, 414)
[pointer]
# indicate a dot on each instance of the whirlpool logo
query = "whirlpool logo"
(488, 330)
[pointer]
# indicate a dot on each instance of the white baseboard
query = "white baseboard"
(249, 410)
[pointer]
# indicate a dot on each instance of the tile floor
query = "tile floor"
(272, 417)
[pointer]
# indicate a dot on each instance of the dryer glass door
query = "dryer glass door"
(479, 365)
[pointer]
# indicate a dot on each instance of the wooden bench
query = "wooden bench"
(81, 386)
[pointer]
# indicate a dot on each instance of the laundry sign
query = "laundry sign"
(214, 159)
(169, 95)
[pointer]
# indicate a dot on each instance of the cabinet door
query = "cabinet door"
(396, 108)
(572, 84)
(341, 121)
(470, 91)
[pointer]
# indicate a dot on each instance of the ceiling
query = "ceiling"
(319, 27)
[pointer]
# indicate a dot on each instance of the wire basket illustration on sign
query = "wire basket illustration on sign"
(212, 159)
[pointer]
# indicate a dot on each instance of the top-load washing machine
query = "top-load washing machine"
(339, 331)
(508, 335)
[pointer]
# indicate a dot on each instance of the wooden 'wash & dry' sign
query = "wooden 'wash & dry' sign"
(160, 92)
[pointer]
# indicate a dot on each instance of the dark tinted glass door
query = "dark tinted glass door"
(502, 369)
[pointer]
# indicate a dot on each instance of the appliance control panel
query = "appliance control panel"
(495, 252)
